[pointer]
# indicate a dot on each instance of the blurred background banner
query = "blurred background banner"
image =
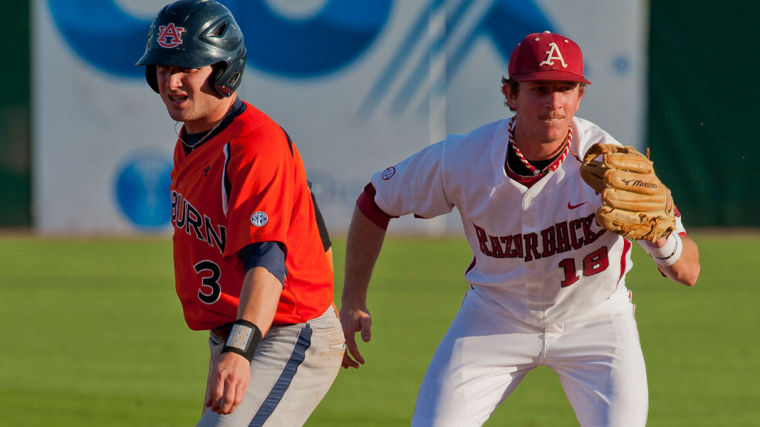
(358, 85)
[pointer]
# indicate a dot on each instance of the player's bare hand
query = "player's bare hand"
(657, 243)
(353, 320)
(228, 379)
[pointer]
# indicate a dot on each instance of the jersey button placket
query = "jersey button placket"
(533, 287)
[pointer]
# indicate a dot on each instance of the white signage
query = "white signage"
(357, 85)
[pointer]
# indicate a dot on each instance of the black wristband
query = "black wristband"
(243, 339)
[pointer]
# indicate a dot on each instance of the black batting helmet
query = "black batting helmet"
(193, 34)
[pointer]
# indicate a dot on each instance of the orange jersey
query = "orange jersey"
(245, 184)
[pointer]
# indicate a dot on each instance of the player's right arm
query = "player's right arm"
(230, 372)
(364, 241)
(686, 269)
(412, 186)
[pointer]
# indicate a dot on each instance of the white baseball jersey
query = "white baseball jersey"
(537, 251)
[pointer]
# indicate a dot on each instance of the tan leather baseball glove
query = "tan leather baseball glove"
(635, 204)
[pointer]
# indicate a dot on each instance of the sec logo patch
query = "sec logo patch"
(259, 219)
(388, 173)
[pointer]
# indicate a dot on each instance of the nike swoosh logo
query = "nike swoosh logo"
(571, 206)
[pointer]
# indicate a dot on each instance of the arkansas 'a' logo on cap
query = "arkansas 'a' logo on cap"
(170, 36)
(553, 54)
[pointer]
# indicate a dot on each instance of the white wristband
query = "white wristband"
(669, 253)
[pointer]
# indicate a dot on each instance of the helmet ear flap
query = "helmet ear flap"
(150, 76)
(217, 79)
(226, 78)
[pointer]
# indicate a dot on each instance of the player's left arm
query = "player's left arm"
(685, 268)
(231, 372)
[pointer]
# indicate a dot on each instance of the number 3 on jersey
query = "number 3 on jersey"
(210, 290)
(593, 263)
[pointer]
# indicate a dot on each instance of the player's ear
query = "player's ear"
(581, 91)
(510, 95)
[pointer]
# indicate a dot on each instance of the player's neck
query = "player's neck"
(536, 149)
(210, 120)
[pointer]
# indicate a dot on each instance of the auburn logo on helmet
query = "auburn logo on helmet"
(170, 36)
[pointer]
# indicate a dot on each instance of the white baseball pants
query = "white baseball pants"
(487, 352)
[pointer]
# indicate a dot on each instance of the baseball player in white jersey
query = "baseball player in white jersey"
(547, 283)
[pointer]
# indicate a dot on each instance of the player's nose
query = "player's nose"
(174, 81)
(554, 101)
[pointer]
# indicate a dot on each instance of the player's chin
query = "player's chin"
(554, 129)
(177, 114)
(176, 106)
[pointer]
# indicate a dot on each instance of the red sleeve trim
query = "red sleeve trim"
(366, 204)
(471, 266)
(626, 247)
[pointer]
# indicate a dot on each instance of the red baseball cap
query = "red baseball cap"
(546, 56)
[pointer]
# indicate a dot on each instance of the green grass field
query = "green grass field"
(93, 335)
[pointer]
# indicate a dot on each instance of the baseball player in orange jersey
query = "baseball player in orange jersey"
(250, 255)
(547, 283)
